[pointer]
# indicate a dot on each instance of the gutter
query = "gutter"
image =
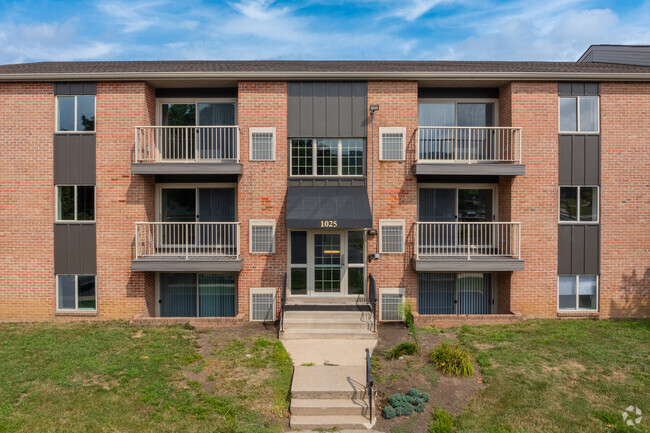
(452, 76)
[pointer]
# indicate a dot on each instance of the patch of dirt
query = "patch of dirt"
(99, 381)
(415, 371)
(138, 334)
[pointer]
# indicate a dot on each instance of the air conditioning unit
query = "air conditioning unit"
(389, 302)
(262, 304)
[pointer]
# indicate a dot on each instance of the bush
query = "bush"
(443, 422)
(404, 348)
(452, 359)
(406, 310)
(405, 404)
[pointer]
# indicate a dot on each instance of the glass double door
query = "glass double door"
(327, 263)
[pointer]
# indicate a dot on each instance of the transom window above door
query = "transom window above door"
(456, 114)
(327, 156)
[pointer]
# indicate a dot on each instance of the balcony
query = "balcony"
(467, 246)
(186, 150)
(187, 246)
(455, 150)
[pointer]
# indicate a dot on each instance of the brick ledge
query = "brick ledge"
(454, 320)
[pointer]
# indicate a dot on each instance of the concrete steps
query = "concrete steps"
(354, 324)
(329, 406)
(339, 334)
(328, 422)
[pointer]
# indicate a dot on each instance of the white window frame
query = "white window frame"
(75, 220)
(559, 204)
(392, 130)
(195, 101)
(260, 223)
(57, 116)
(261, 130)
(383, 223)
(76, 294)
(577, 308)
(577, 131)
(390, 291)
(261, 290)
(339, 162)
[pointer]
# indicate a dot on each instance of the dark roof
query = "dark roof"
(299, 66)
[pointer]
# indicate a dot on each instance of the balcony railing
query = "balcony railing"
(453, 144)
(186, 143)
(186, 240)
(467, 239)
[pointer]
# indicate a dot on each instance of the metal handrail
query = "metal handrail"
(370, 382)
(372, 299)
(283, 301)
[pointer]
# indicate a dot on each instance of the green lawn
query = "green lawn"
(119, 378)
(559, 376)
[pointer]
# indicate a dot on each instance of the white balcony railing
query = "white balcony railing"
(456, 144)
(467, 239)
(186, 143)
(186, 240)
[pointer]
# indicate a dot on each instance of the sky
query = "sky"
(554, 30)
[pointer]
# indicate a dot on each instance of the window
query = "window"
(262, 304)
(578, 204)
(75, 113)
(76, 292)
(389, 304)
(579, 114)
(298, 263)
(577, 292)
(391, 236)
(197, 295)
(262, 144)
(392, 144)
(327, 157)
(262, 236)
(75, 203)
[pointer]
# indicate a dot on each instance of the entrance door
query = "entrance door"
(329, 263)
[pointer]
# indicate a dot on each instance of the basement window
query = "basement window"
(75, 293)
(577, 293)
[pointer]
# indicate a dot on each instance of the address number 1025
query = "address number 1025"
(329, 223)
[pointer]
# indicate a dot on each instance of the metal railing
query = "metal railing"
(186, 143)
(372, 300)
(468, 239)
(370, 382)
(468, 144)
(188, 239)
(283, 301)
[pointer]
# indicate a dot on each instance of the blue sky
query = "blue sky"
(316, 30)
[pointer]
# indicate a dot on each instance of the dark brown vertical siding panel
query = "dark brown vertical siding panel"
(592, 89)
(293, 109)
(74, 159)
(333, 108)
(75, 248)
(564, 88)
(564, 250)
(89, 89)
(61, 249)
(578, 160)
(565, 154)
(320, 109)
(359, 107)
(307, 109)
(592, 249)
(75, 245)
(578, 89)
(592, 160)
(345, 113)
(578, 249)
(88, 264)
(61, 158)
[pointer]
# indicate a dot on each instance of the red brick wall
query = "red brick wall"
(534, 197)
(122, 198)
(262, 188)
(625, 200)
(27, 197)
(393, 184)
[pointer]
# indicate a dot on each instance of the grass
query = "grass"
(451, 359)
(401, 349)
(116, 377)
(558, 376)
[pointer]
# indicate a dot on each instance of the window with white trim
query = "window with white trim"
(392, 144)
(577, 293)
(391, 236)
(76, 292)
(327, 156)
(75, 203)
(579, 204)
(75, 113)
(389, 304)
(579, 114)
(262, 144)
(262, 304)
(262, 236)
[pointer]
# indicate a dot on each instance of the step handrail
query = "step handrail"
(369, 383)
(372, 299)
(283, 301)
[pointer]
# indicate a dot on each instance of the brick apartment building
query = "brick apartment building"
(483, 192)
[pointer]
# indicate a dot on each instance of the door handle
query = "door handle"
(342, 260)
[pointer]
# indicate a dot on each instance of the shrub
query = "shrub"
(406, 310)
(404, 348)
(452, 359)
(443, 422)
(405, 404)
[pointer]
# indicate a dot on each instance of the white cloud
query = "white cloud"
(412, 10)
